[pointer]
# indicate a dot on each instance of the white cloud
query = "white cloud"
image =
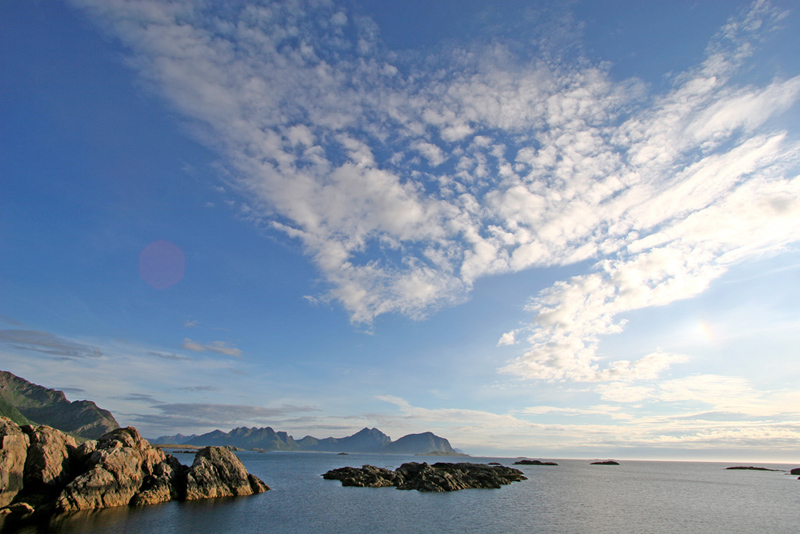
(509, 338)
(496, 164)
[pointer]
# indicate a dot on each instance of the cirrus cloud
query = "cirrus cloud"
(407, 185)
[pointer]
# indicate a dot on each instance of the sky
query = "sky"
(537, 229)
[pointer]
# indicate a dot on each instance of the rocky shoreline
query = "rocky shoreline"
(438, 477)
(43, 470)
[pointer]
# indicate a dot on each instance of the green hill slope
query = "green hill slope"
(26, 403)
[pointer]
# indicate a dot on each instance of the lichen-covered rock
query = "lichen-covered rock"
(438, 477)
(217, 472)
(13, 452)
(51, 459)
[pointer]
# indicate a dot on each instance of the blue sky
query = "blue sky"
(563, 231)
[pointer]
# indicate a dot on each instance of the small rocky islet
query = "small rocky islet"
(438, 477)
(533, 462)
(43, 470)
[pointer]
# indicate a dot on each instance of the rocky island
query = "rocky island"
(44, 470)
(750, 468)
(423, 477)
(533, 462)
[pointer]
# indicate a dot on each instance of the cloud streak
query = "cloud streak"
(405, 186)
(47, 343)
(219, 347)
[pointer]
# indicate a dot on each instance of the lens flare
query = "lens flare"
(162, 264)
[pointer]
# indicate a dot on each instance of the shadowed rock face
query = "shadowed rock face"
(13, 452)
(423, 477)
(51, 461)
(45, 468)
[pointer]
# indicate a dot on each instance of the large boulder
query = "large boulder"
(13, 452)
(117, 469)
(51, 460)
(217, 472)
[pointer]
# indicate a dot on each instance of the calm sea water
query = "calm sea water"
(574, 497)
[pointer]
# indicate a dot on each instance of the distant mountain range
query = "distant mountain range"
(26, 403)
(366, 440)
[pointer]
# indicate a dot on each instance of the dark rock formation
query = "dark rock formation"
(423, 477)
(751, 468)
(795, 471)
(24, 402)
(606, 462)
(45, 469)
(533, 462)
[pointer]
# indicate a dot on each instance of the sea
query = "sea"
(637, 497)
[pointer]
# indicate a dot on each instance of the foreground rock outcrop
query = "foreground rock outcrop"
(45, 470)
(423, 477)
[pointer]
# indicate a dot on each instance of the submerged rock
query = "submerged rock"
(45, 469)
(438, 477)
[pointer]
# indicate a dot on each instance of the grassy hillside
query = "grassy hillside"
(26, 403)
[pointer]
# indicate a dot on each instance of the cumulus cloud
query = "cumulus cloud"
(406, 185)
